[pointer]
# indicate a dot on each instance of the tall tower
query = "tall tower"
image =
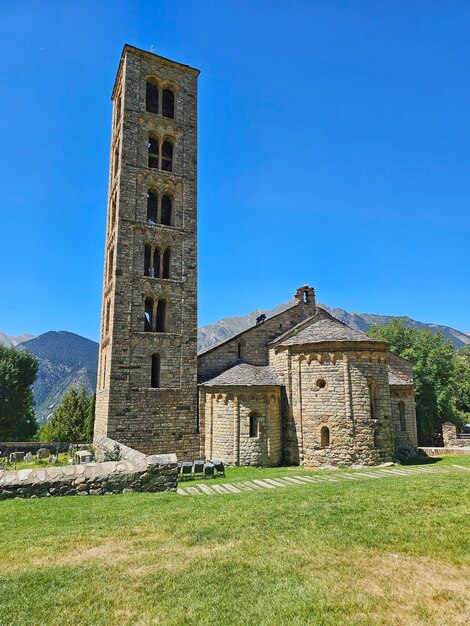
(147, 373)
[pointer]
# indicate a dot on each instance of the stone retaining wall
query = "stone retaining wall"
(450, 450)
(451, 438)
(133, 472)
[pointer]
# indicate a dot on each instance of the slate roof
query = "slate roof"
(326, 329)
(395, 380)
(245, 374)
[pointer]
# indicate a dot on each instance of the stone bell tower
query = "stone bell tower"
(146, 391)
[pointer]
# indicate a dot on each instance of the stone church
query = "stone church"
(298, 387)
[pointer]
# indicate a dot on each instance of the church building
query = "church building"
(302, 387)
(298, 387)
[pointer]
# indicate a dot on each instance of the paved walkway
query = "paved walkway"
(207, 489)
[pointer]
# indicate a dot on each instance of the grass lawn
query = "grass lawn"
(389, 551)
(238, 474)
(63, 459)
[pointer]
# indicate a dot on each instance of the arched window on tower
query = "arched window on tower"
(108, 314)
(110, 264)
(116, 161)
(147, 259)
(148, 315)
(167, 156)
(161, 315)
(166, 211)
(103, 379)
(153, 152)
(155, 377)
(151, 99)
(152, 207)
(166, 263)
(402, 414)
(254, 425)
(117, 115)
(168, 103)
(112, 214)
(156, 264)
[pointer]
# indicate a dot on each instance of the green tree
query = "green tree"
(18, 370)
(462, 388)
(464, 353)
(26, 429)
(439, 376)
(69, 421)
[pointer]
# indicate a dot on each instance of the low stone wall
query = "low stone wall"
(450, 436)
(133, 472)
(6, 447)
(447, 451)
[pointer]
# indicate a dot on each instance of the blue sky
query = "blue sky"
(334, 147)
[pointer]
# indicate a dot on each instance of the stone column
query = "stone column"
(300, 408)
(236, 431)
(449, 433)
(347, 389)
(267, 413)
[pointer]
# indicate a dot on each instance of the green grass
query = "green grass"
(239, 474)
(365, 552)
(63, 459)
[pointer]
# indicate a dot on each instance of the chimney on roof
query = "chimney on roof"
(305, 295)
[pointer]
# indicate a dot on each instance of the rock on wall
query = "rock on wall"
(134, 472)
(450, 437)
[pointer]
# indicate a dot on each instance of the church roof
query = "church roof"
(245, 374)
(395, 380)
(321, 330)
(216, 345)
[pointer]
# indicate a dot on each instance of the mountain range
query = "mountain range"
(229, 326)
(11, 341)
(66, 359)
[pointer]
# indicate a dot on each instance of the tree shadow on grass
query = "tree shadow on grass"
(422, 460)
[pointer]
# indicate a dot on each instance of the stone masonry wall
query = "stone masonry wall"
(449, 436)
(164, 419)
(404, 395)
(447, 451)
(227, 425)
(134, 472)
(6, 447)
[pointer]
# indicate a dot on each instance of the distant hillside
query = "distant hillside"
(229, 326)
(363, 321)
(11, 340)
(465, 353)
(65, 360)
